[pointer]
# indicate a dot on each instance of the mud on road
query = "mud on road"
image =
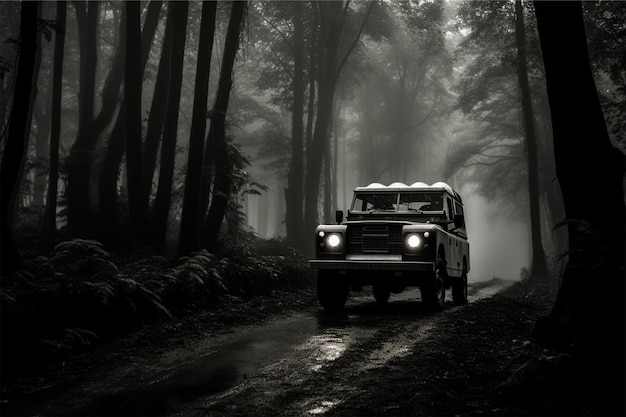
(394, 359)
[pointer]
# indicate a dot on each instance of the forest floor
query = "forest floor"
(479, 361)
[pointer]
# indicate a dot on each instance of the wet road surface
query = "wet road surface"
(271, 366)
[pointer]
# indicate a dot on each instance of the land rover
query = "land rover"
(395, 237)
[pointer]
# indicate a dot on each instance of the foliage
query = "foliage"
(491, 147)
(607, 49)
(79, 295)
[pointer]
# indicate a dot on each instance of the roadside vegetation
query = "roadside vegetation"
(79, 296)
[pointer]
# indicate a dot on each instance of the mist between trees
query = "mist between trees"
(182, 125)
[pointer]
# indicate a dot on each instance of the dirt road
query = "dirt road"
(307, 363)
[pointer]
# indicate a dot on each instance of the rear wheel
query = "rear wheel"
(332, 290)
(459, 289)
(381, 293)
(433, 292)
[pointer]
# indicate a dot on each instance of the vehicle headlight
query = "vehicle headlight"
(333, 240)
(413, 241)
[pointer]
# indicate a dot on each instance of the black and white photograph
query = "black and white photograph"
(312, 208)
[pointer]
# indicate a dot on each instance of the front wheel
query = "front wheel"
(433, 292)
(459, 289)
(332, 290)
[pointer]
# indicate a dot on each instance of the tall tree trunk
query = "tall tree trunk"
(294, 194)
(42, 119)
(587, 318)
(163, 199)
(334, 171)
(112, 85)
(539, 266)
(156, 119)
(313, 70)
(190, 221)
(109, 175)
(222, 187)
(137, 197)
(17, 140)
(50, 221)
(328, 183)
(33, 111)
(331, 13)
(331, 17)
(79, 163)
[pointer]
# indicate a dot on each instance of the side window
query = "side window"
(449, 211)
(458, 208)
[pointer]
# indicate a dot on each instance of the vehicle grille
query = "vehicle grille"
(375, 239)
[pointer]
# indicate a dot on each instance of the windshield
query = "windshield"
(397, 202)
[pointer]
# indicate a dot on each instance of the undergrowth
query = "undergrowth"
(79, 295)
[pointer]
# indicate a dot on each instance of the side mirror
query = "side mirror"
(459, 220)
(339, 216)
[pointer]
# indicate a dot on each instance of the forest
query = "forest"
(157, 154)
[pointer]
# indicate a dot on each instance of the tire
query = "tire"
(332, 290)
(433, 292)
(459, 289)
(381, 293)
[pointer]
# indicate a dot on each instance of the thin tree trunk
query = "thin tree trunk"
(163, 199)
(50, 221)
(294, 194)
(109, 176)
(332, 17)
(190, 221)
(157, 109)
(137, 198)
(334, 173)
(79, 210)
(328, 183)
(111, 90)
(327, 55)
(17, 140)
(539, 266)
(222, 187)
(42, 118)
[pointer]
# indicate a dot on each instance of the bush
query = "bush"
(78, 295)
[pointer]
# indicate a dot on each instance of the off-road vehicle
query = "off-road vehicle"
(394, 237)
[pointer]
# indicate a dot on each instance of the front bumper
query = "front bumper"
(364, 262)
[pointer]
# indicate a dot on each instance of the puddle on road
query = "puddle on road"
(324, 407)
(216, 369)
(301, 345)
(326, 347)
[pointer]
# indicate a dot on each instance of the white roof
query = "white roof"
(400, 186)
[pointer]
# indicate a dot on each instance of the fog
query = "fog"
(499, 247)
(427, 91)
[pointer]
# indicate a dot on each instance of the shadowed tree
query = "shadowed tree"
(55, 127)
(332, 17)
(108, 180)
(587, 319)
(137, 196)
(189, 225)
(160, 211)
(36, 113)
(80, 160)
(156, 119)
(509, 149)
(294, 194)
(539, 266)
(17, 139)
(216, 140)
